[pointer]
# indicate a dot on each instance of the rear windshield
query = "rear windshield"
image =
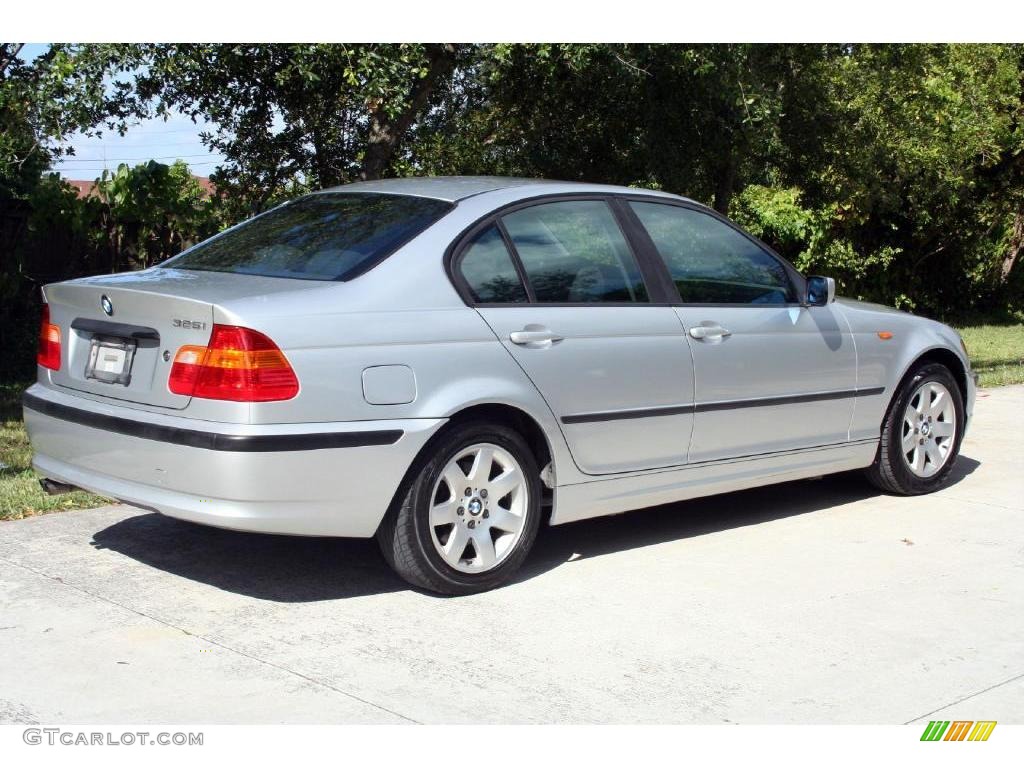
(327, 236)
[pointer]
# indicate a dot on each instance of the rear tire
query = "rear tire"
(921, 433)
(468, 512)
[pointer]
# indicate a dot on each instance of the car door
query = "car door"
(561, 288)
(770, 373)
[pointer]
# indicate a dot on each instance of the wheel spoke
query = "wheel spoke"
(455, 479)
(911, 417)
(909, 442)
(481, 466)
(942, 428)
(484, 546)
(938, 404)
(506, 521)
(504, 484)
(920, 400)
(918, 461)
(445, 512)
(456, 543)
(934, 456)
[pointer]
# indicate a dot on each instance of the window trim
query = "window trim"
(517, 263)
(351, 274)
(796, 280)
(649, 272)
(470, 241)
(661, 288)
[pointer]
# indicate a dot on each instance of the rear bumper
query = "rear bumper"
(319, 479)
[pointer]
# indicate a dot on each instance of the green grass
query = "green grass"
(997, 353)
(20, 494)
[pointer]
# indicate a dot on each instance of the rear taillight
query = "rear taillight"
(238, 364)
(48, 354)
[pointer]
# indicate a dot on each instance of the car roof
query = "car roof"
(455, 188)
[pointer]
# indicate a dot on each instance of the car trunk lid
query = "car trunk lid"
(121, 332)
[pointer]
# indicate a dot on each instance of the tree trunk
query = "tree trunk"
(385, 131)
(725, 184)
(327, 176)
(1016, 245)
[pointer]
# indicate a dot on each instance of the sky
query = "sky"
(165, 141)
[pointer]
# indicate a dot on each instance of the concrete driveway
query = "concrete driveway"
(810, 602)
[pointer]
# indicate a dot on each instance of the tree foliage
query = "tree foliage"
(698, 119)
(897, 169)
(287, 116)
(149, 213)
(918, 181)
(42, 103)
(132, 218)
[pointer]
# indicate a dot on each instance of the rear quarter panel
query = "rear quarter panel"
(404, 312)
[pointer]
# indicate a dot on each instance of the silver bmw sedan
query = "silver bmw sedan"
(446, 363)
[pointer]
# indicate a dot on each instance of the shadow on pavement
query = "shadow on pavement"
(710, 514)
(296, 569)
(287, 569)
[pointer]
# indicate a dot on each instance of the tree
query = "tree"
(701, 120)
(42, 103)
(917, 180)
(899, 169)
(23, 157)
(149, 213)
(315, 115)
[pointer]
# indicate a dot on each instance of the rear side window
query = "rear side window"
(327, 236)
(574, 252)
(710, 262)
(488, 270)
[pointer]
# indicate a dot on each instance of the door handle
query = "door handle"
(535, 335)
(710, 331)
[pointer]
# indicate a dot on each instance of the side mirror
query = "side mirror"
(820, 291)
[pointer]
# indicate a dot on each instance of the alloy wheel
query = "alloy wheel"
(929, 429)
(478, 508)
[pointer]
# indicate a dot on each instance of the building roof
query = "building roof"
(208, 187)
(86, 188)
(82, 187)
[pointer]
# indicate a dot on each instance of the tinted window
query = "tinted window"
(487, 268)
(574, 251)
(318, 237)
(711, 262)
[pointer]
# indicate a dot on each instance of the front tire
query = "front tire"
(468, 514)
(921, 434)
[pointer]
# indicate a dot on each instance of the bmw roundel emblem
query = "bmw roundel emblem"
(108, 308)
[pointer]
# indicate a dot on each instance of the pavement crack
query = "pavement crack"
(965, 698)
(985, 503)
(211, 641)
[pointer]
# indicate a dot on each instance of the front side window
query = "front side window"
(487, 268)
(326, 236)
(574, 252)
(710, 262)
